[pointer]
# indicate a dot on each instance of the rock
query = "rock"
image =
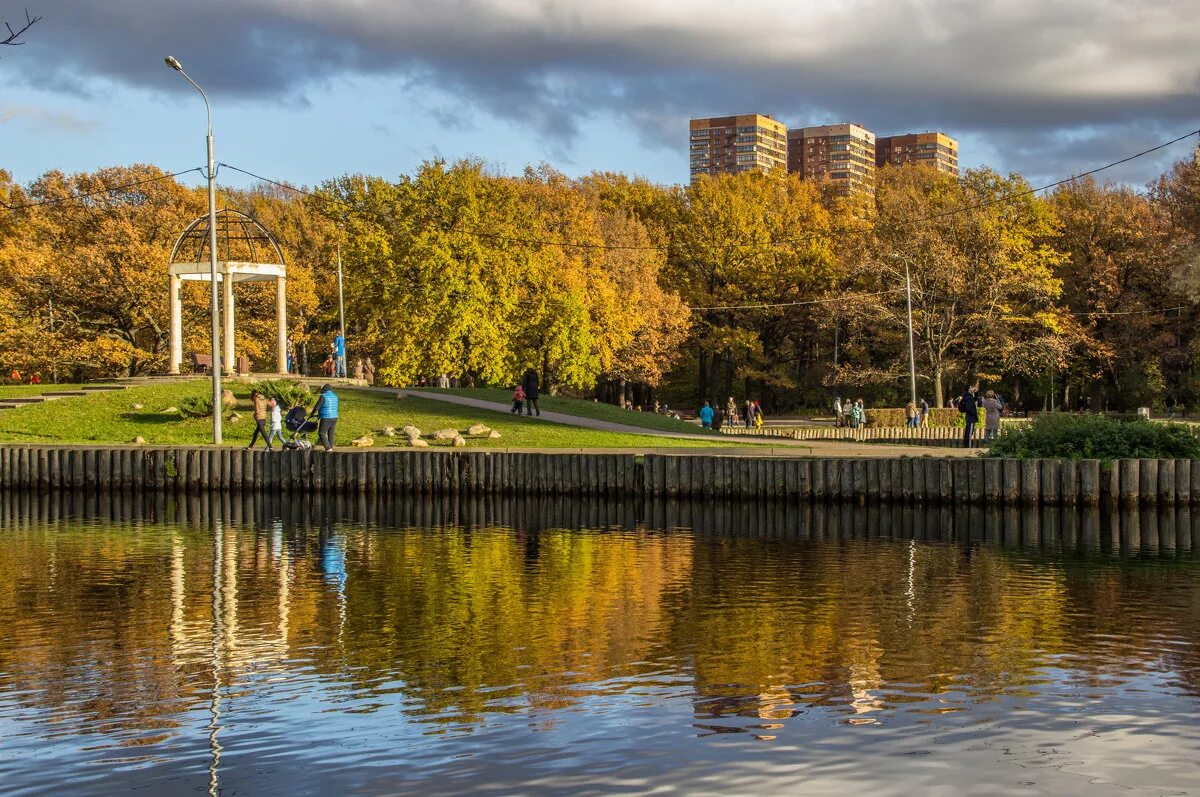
(494, 435)
(445, 434)
(171, 411)
(234, 417)
(137, 406)
(228, 399)
(417, 442)
(363, 442)
(460, 441)
(138, 441)
(478, 430)
(388, 431)
(411, 432)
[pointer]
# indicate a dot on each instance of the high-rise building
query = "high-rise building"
(931, 149)
(731, 144)
(845, 154)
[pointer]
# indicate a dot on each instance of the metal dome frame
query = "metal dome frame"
(266, 262)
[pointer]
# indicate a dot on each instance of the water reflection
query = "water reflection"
(266, 646)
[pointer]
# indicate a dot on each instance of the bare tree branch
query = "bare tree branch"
(13, 35)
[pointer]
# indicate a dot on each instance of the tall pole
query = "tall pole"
(214, 303)
(341, 302)
(912, 356)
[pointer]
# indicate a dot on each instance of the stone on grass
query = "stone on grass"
(234, 417)
(445, 434)
(411, 432)
(417, 442)
(493, 434)
(171, 411)
(228, 399)
(366, 441)
(388, 431)
(478, 430)
(460, 441)
(137, 406)
(138, 441)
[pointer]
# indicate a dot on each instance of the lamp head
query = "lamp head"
(173, 63)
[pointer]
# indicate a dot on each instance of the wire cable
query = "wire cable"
(106, 190)
(769, 305)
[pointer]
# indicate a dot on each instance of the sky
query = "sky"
(305, 90)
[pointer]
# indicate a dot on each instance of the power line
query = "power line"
(663, 247)
(107, 190)
(1131, 312)
(768, 305)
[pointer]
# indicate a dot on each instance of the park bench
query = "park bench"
(201, 362)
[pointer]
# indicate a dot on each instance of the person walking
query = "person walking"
(758, 415)
(731, 411)
(855, 415)
(326, 410)
(748, 414)
(992, 407)
(969, 405)
(910, 415)
(339, 353)
(369, 371)
(862, 413)
(706, 416)
(276, 423)
(530, 383)
(261, 415)
(924, 413)
(290, 351)
(518, 400)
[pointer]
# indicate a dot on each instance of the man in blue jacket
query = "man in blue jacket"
(326, 411)
(706, 416)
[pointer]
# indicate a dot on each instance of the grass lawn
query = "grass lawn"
(109, 417)
(583, 409)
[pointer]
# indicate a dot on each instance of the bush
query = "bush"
(196, 406)
(940, 416)
(286, 393)
(1067, 436)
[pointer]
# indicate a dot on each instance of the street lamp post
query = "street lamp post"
(912, 357)
(212, 255)
(341, 306)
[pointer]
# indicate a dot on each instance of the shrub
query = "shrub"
(196, 406)
(1067, 436)
(286, 392)
(940, 416)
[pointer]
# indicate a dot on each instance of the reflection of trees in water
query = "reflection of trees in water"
(791, 609)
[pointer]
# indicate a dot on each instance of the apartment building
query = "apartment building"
(732, 144)
(843, 154)
(931, 149)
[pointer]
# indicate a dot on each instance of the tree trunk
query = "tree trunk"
(939, 397)
(702, 378)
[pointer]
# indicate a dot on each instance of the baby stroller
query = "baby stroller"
(301, 427)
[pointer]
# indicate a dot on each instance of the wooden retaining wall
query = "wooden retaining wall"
(907, 480)
(937, 436)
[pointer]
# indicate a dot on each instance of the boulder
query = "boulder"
(137, 406)
(388, 431)
(363, 442)
(138, 441)
(228, 399)
(234, 417)
(445, 434)
(411, 432)
(460, 441)
(494, 435)
(171, 411)
(417, 442)
(478, 430)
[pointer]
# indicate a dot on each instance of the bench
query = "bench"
(201, 362)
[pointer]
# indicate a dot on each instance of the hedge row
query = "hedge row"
(941, 416)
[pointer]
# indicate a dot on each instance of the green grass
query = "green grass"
(109, 417)
(584, 409)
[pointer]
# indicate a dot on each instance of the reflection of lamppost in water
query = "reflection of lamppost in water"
(218, 634)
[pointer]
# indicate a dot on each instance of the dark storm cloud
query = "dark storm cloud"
(1027, 77)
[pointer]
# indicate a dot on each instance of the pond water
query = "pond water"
(307, 646)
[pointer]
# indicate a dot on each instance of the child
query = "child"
(518, 400)
(276, 423)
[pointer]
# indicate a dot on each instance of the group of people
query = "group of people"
(916, 415)
(749, 415)
(268, 419)
(15, 377)
(852, 413)
(525, 396)
(969, 405)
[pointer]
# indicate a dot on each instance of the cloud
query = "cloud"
(1022, 75)
(45, 118)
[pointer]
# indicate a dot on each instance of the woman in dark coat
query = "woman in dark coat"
(530, 384)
